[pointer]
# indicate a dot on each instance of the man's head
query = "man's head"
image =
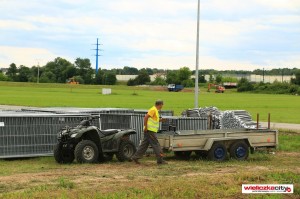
(159, 104)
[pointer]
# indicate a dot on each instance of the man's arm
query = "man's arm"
(146, 122)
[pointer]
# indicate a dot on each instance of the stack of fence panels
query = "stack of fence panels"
(185, 123)
(32, 134)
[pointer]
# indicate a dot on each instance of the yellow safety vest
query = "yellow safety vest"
(153, 125)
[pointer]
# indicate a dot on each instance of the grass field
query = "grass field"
(195, 178)
(283, 108)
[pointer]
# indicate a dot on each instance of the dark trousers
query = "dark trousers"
(149, 138)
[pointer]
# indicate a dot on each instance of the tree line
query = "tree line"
(61, 70)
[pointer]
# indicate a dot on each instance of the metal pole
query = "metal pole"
(97, 55)
(269, 120)
(197, 59)
(38, 76)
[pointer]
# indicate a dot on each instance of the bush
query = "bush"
(3, 77)
(159, 81)
(188, 83)
(293, 89)
(244, 85)
(131, 82)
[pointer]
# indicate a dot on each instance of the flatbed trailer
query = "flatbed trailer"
(217, 144)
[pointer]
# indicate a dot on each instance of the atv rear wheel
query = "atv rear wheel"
(86, 151)
(62, 157)
(126, 150)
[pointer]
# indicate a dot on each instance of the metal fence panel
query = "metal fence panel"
(25, 135)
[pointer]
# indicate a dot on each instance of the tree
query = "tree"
(99, 79)
(202, 79)
(110, 78)
(130, 71)
(296, 80)
(244, 85)
(24, 74)
(172, 77)
(159, 81)
(58, 68)
(211, 78)
(48, 77)
(3, 77)
(131, 82)
(219, 79)
(184, 74)
(142, 78)
(12, 72)
(188, 83)
(84, 69)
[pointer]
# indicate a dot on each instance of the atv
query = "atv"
(88, 144)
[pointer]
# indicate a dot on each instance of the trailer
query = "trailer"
(217, 144)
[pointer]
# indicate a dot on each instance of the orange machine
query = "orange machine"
(219, 88)
(72, 81)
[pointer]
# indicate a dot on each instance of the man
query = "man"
(151, 127)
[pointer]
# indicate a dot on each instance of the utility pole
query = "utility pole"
(197, 60)
(97, 54)
(38, 75)
(263, 75)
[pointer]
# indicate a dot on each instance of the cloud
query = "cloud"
(154, 33)
(24, 56)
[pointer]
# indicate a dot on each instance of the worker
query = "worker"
(151, 127)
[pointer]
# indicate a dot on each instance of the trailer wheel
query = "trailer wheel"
(239, 150)
(218, 152)
(183, 155)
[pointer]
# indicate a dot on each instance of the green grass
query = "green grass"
(283, 108)
(196, 178)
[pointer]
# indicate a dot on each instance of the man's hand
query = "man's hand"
(145, 130)
(163, 120)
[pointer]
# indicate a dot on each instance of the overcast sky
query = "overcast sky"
(234, 34)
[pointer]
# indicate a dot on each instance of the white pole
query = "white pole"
(197, 59)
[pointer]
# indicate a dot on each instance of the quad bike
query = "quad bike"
(89, 144)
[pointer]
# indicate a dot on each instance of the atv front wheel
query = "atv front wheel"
(86, 151)
(126, 150)
(61, 156)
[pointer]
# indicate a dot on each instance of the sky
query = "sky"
(234, 34)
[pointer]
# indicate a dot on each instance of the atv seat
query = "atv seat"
(109, 132)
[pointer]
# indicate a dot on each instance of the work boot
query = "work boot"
(135, 160)
(162, 162)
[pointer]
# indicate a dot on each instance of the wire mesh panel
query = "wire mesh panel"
(185, 123)
(25, 135)
(124, 121)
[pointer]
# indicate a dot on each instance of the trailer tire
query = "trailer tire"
(218, 152)
(183, 155)
(239, 150)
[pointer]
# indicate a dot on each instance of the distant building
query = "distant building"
(4, 70)
(125, 78)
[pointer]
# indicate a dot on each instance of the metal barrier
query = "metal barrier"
(33, 132)
(29, 135)
(185, 123)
